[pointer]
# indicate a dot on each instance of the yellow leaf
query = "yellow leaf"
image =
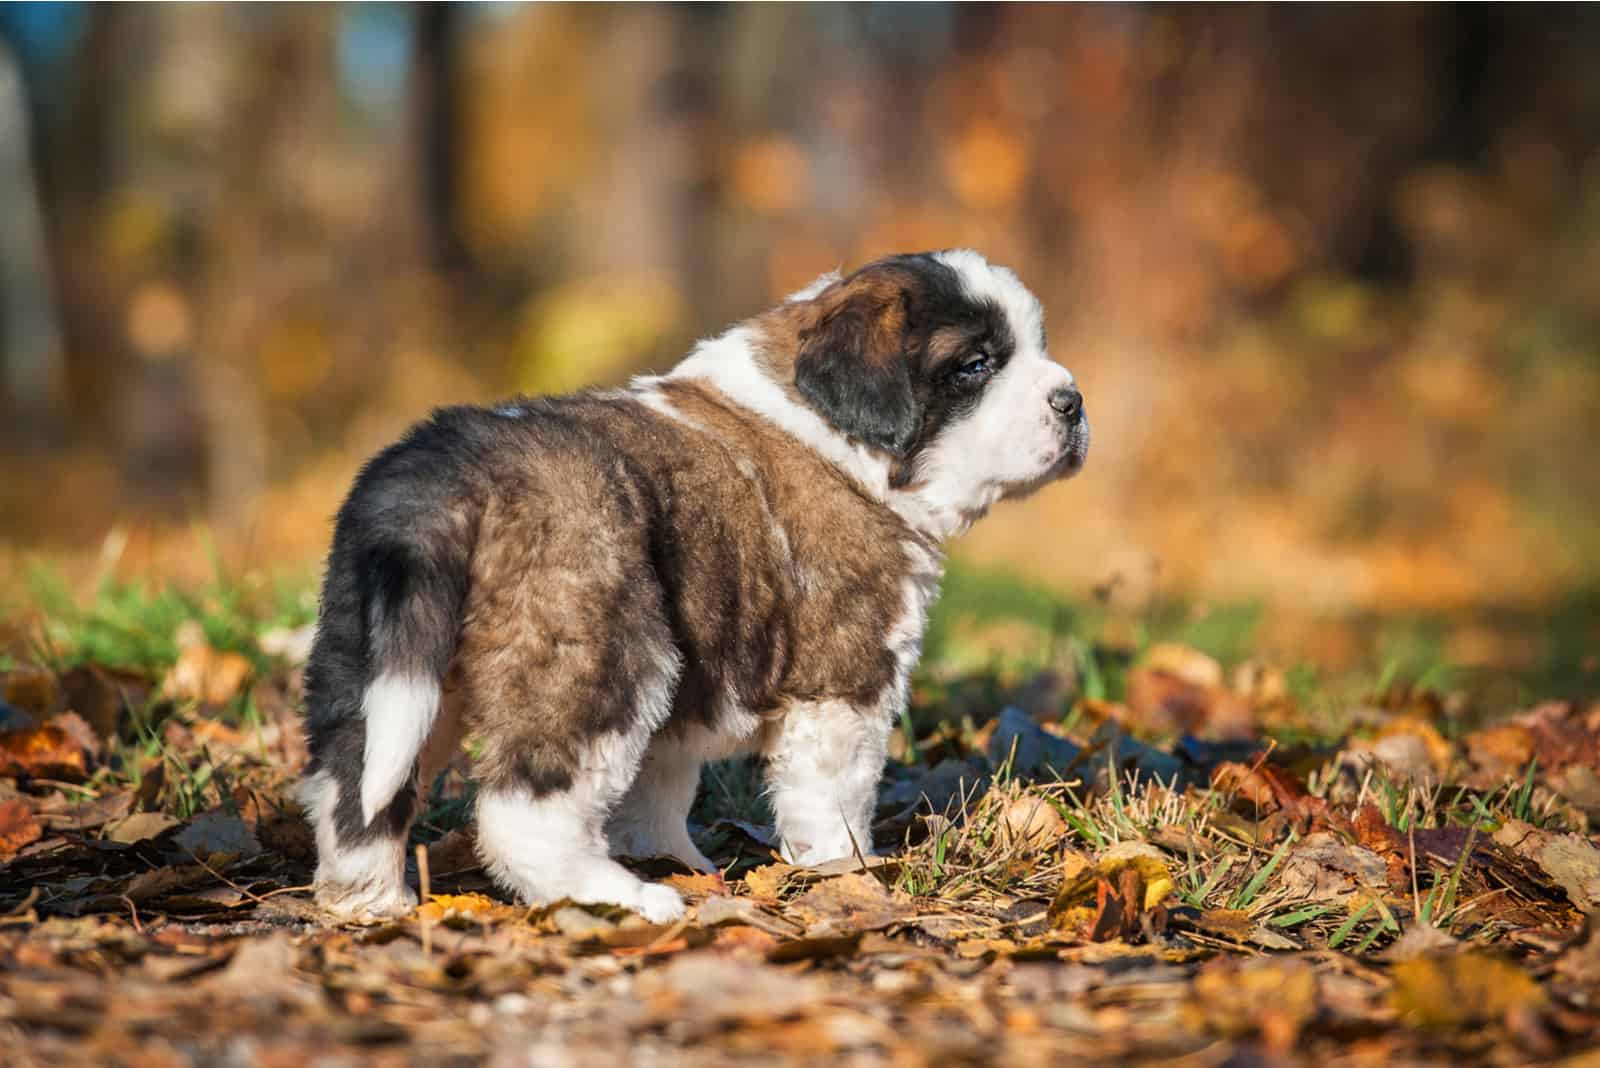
(1452, 991)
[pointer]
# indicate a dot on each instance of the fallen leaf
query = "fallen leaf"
(766, 882)
(1033, 821)
(1246, 782)
(18, 827)
(1118, 907)
(818, 947)
(159, 882)
(44, 752)
(717, 911)
(32, 690)
(1233, 924)
(293, 644)
(702, 990)
(848, 904)
(1500, 750)
(1579, 961)
(139, 826)
(1568, 859)
(1178, 688)
(1574, 863)
(1421, 940)
(1460, 990)
(260, 965)
(206, 675)
(442, 907)
(1029, 748)
(456, 852)
(1580, 785)
(1269, 996)
(104, 697)
(86, 815)
(1184, 662)
(1085, 884)
(1321, 867)
(698, 885)
(213, 833)
(1161, 701)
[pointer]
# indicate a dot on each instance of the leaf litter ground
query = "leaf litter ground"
(1122, 854)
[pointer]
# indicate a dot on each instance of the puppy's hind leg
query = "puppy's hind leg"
(360, 865)
(545, 796)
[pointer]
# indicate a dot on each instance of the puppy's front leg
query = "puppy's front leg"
(824, 761)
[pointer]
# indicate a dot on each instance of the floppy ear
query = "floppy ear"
(852, 367)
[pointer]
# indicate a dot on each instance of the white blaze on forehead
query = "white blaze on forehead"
(986, 281)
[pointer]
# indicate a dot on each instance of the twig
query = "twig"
(423, 918)
(134, 910)
(218, 875)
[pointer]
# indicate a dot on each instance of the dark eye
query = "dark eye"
(975, 368)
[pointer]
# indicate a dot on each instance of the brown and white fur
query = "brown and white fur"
(612, 588)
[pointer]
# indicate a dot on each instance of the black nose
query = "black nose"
(1068, 401)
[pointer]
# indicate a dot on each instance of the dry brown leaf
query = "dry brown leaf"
(1421, 940)
(848, 904)
(1322, 867)
(1272, 997)
(1033, 821)
(766, 882)
(1461, 990)
(1498, 751)
(1161, 701)
(18, 827)
(32, 689)
(698, 885)
(139, 826)
(1184, 662)
(454, 853)
(1233, 924)
(206, 675)
(703, 990)
(720, 910)
(1245, 782)
(1569, 859)
(103, 695)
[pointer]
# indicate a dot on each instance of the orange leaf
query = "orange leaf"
(46, 752)
(17, 827)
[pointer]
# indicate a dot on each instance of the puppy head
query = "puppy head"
(939, 361)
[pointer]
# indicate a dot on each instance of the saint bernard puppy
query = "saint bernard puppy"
(609, 589)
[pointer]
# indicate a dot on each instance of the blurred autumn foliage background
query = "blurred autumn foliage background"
(1330, 277)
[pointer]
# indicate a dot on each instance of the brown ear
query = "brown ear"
(852, 366)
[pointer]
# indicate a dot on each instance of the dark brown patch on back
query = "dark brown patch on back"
(619, 537)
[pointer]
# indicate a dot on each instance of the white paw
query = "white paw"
(365, 902)
(659, 904)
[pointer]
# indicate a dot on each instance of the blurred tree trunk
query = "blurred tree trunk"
(436, 107)
(31, 372)
(660, 96)
(267, 158)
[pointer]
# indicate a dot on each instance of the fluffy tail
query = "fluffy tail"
(390, 618)
(400, 711)
(411, 597)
